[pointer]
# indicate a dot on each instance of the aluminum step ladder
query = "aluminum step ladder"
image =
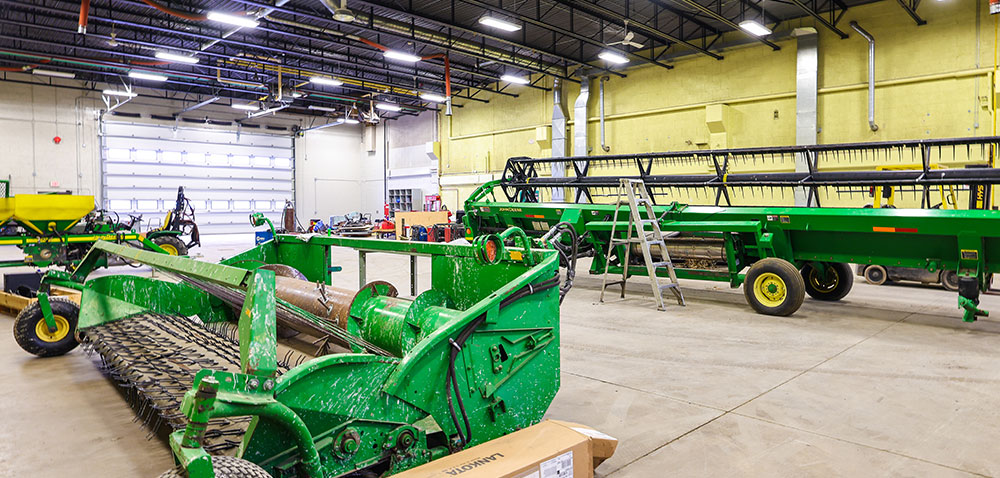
(640, 203)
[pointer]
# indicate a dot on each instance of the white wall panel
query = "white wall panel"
(334, 176)
(226, 174)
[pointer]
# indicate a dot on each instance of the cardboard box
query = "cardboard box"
(551, 449)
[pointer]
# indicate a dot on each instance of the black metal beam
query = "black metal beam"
(813, 13)
(121, 27)
(447, 24)
(352, 60)
(648, 31)
(911, 10)
(559, 30)
(685, 16)
(719, 17)
(767, 18)
(110, 64)
(364, 22)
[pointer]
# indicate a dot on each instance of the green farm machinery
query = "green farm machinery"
(373, 383)
(58, 229)
(778, 254)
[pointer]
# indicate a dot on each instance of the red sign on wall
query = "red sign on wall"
(994, 6)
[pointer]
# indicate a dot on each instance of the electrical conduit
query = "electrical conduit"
(84, 13)
(871, 74)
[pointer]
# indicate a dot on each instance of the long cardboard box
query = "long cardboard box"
(551, 449)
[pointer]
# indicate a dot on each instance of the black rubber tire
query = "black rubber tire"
(836, 288)
(876, 275)
(225, 467)
(949, 280)
(789, 276)
(171, 243)
(26, 322)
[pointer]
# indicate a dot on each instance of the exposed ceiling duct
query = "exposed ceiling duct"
(339, 10)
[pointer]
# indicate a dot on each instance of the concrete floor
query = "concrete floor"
(888, 382)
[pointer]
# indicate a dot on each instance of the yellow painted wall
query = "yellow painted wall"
(932, 81)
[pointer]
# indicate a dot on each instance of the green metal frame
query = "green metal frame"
(43, 249)
(340, 413)
(960, 240)
(33, 246)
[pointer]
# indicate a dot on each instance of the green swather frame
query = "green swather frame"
(491, 318)
(964, 241)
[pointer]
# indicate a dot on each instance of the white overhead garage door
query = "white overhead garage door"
(226, 175)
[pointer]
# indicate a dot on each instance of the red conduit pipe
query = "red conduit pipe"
(176, 13)
(447, 71)
(373, 44)
(147, 62)
(84, 12)
(447, 80)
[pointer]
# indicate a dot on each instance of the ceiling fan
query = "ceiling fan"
(627, 41)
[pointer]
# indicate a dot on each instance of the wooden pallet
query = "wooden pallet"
(12, 304)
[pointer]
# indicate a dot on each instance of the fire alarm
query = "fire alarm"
(57, 140)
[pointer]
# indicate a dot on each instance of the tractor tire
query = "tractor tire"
(225, 467)
(949, 280)
(876, 275)
(33, 335)
(834, 287)
(774, 287)
(172, 244)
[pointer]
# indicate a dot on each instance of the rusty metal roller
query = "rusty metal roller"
(326, 301)
(332, 303)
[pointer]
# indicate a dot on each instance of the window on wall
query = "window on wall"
(145, 155)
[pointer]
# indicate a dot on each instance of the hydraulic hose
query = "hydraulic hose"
(553, 237)
(451, 381)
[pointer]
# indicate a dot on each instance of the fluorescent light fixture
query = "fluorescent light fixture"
(232, 19)
(268, 111)
(350, 121)
(387, 107)
(433, 97)
(322, 80)
(612, 57)
(128, 94)
(754, 28)
(401, 56)
(336, 122)
(176, 57)
(323, 108)
(57, 74)
(514, 79)
(245, 107)
(146, 76)
(499, 24)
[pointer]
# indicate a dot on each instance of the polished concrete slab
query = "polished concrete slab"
(888, 382)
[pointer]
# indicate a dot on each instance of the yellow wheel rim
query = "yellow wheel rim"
(769, 289)
(818, 283)
(62, 329)
(169, 248)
